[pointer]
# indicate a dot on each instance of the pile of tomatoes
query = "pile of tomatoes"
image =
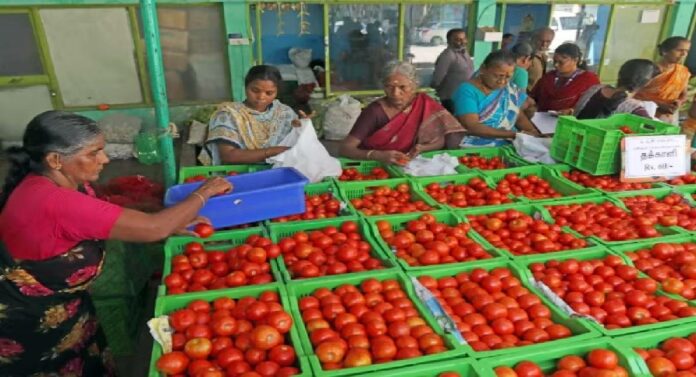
(483, 163)
(671, 264)
(353, 326)
(598, 362)
(385, 200)
(521, 234)
(229, 338)
(425, 242)
(200, 270)
(604, 220)
(531, 186)
(674, 357)
(327, 251)
(604, 182)
(472, 194)
(689, 179)
(669, 211)
(321, 206)
(352, 174)
(492, 310)
(610, 291)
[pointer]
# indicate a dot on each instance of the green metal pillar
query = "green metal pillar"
(240, 56)
(679, 19)
(485, 16)
(158, 85)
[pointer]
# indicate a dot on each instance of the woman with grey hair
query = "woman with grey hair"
(401, 124)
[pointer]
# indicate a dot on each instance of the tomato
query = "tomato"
(227, 356)
(203, 230)
(571, 363)
(265, 337)
(181, 319)
(330, 351)
(198, 348)
(283, 355)
(383, 348)
(281, 321)
(267, 368)
(528, 369)
(602, 359)
(661, 366)
(357, 357)
(172, 363)
(224, 326)
(504, 371)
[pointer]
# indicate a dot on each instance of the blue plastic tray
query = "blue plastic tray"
(256, 196)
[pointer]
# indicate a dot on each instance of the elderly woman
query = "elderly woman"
(560, 89)
(488, 107)
(522, 52)
(601, 101)
(401, 124)
(51, 246)
(668, 88)
(250, 131)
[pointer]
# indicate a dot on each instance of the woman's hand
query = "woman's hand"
(214, 186)
(391, 157)
(198, 220)
(566, 112)
(415, 151)
(303, 115)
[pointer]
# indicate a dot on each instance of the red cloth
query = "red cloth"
(42, 220)
(400, 132)
(561, 94)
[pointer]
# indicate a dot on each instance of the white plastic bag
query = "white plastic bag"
(306, 154)
(441, 164)
(533, 149)
(340, 117)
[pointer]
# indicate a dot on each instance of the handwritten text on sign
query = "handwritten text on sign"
(655, 156)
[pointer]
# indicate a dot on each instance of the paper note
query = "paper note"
(655, 156)
(545, 122)
(651, 16)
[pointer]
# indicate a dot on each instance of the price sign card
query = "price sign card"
(653, 158)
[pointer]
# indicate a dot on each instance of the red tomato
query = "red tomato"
(602, 359)
(172, 363)
(198, 348)
(265, 337)
(203, 230)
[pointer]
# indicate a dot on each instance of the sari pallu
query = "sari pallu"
(245, 128)
(48, 325)
(499, 110)
(557, 93)
(424, 121)
(668, 87)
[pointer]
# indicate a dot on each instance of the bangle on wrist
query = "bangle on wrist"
(369, 153)
(199, 196)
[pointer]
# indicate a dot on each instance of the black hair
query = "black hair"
(51, 131)
(572, 51)
(633, 75)
(451, 32)
(671, 43)
(263, 72)
(499, 57)
(508, 35)
(521, 50)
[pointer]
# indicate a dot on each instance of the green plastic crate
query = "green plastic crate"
(562, 185)
(354, 190)
(506, 153)
(219, 170)
(218, 241)
(398, 222)
(297, 290)
(581, 329)
(664, 231)
(279, 231)
(119, 318)
(166, 305)
(125, 271)
(653, 185)
(688, 191)
(660, 193)
(466, 367)
(593, 145)
(365, 166)
(533, 210)
(652, 339)
(601, 254)
(460, 179)
(549, 357)
(323, 188)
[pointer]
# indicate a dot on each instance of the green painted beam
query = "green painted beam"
(148, 12)
(485, 16)
(236, 17)
(24, 80)
(679, 18)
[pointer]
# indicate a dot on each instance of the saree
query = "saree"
(245, 128)
(559, 93)
(48, 325)
(593, 102)
(499, 109)
(424, 121)
(668, 86)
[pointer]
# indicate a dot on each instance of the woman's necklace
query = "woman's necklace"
(557, 79)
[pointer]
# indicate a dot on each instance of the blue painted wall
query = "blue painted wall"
(516, 14)
(276, 47)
